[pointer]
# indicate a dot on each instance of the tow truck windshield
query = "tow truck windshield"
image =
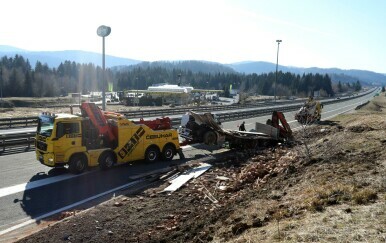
(45, 125)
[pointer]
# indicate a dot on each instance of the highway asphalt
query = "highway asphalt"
(29, 190)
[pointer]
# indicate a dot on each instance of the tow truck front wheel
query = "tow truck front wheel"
(77, 164)
(151, 154)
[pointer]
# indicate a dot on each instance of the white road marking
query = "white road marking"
(355, 104)
(30, 185)
(27, 186)
(185, 147)
(34, 184)
(66, 208)
(298, 128)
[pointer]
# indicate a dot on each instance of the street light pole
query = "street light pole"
(103, 31)
(277, 64)
(136, 95)
(1, 85)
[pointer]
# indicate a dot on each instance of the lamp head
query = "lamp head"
(103, 31)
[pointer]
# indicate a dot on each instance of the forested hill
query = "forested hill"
(336, 74)
(192, 66)
(20, 79)
(55, 58)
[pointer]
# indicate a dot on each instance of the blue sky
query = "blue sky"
(346, 34)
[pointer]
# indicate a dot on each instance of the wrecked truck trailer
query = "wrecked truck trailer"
(247, 140)
(206, 128)
(201, 128)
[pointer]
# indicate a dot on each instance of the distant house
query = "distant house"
(171, 88)
(171, 93)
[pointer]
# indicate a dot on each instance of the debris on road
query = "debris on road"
(186, 176)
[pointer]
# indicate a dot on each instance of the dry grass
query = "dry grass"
(340, 196)
(341, 223)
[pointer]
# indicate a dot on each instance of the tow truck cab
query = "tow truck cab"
(59, 136)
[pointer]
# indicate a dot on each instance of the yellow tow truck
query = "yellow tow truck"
(102, 138)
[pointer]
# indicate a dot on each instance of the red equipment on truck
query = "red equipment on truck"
(92, 111)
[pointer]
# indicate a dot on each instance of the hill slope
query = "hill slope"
(271, 195)
(54, 58)
(336, 74)
(193, 66)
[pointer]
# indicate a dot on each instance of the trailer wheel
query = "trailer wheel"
(106, 161)
(210, 138)
(152, 154)
(168, 152)
(77, 164)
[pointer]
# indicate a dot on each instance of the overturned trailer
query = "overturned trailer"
(206, 128)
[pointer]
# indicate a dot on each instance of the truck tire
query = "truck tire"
(106, 161)
(77, 164)
(210, 138)
(152, 154)
(168, 152)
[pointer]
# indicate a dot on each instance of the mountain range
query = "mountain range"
(54, 58)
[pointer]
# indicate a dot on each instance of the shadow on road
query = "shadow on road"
(47, 198)
(35, 199)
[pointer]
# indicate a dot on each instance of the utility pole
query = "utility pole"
(277, 64)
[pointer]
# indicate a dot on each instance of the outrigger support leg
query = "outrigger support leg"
(179, 151)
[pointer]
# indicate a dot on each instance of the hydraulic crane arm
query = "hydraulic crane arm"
(92, 111)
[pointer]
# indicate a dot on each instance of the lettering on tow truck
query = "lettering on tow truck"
(158, 136)
(73, 135)
(132, 143)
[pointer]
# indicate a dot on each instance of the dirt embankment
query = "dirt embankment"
(28, 107)
(336, 194)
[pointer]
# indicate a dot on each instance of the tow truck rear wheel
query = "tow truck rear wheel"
(77, 164)
(106, 161)
(168, 152)
(152, 154)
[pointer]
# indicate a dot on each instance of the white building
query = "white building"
(173, 88)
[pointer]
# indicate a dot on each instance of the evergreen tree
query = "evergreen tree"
(357, 86)
(340, 89)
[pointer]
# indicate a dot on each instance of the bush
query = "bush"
(365, 196)
(6, 104)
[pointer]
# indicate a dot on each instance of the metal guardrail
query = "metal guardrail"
(183, 110)
(15, 140)
(12, 140)
(32, 121)
(18, 122)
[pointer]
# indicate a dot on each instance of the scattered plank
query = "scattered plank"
(186, 176)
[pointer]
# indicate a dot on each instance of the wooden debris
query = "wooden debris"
(186, 176)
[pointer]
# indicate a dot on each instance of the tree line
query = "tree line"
(19, 79)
